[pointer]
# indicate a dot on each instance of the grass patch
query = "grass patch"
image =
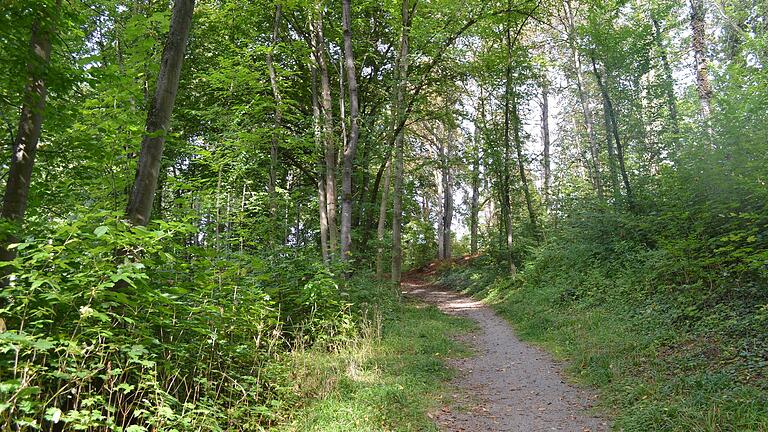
(385, 380)
(655, 371)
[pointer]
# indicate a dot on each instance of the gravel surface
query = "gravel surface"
(507, 385)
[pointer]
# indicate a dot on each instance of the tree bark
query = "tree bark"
(699, 45)
(614, 129)
(140, 202)
(506, 185)
(546, 142)
(382, 224)
(447, 196)
(29, 130)
(669, 83)
(354, 133)
(475, 203)
(278, 113)
(613, 170)
(584, 101)
(321, 194)
(440, 200)
(399, 111)
(521, 168)
(328, 138)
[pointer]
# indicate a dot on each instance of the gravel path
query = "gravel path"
(507, 385)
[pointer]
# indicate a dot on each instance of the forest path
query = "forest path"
(507, 385)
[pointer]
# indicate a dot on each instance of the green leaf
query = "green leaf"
(100, 231)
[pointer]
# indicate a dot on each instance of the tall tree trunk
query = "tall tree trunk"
(447, 196)
(614, 129)
(669, 82)
(521, 168)
(440, 202)
(584, 101)
(546, 142)
(278, 113)
(613, 170)
(321, 194)
(382, 224)
(699, 45)
(506, 184)
(475, 182)
(140, 202)
(397, 198)
(28, 134)
(328, 136)
(354, 133)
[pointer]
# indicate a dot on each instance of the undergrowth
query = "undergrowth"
(666, 357)
(384, 381)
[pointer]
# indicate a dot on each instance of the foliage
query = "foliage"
(104, 319)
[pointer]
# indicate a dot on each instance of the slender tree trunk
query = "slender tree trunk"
(613, 170)
(28, 134)
(354, 133)
(669, 82)
(140, 202)
(475, 203)
(506, 203)
(382, 224)
(614, 129)
(699, 44)
(397, 198)
(584, 101)
(328, 138)
(278, 113)
(321, 194)
(440, 203)
(546, 142)
(342, 106)
(521, 168)
(447, 196)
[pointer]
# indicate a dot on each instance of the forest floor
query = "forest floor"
(507, 385)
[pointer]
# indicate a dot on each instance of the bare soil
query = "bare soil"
(507, 385)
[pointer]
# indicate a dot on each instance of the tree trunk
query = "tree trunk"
(328, 138)
(140, 202)
(521, 168)
(440, 202)
(699, 45)
(354, 133)
(447, 196)
(584, 101)
(278, 113)
(614, 129)
(321, 194)
(475, 203)
(382, 224)
(397, 211)
(505, 201)
(669, 83)
(613, 170)
(546, 142)
(28, 134)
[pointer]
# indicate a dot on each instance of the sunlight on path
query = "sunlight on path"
(507, 385)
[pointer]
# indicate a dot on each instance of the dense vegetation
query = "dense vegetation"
(208, 206)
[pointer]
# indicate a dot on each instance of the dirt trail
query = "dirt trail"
(507, 385)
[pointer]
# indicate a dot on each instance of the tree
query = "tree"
(354, 134)
(25, 145)
(142, 195)
(397, 132)
(699, 45)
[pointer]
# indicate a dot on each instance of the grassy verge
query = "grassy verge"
(656, 371)
(384, 380)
